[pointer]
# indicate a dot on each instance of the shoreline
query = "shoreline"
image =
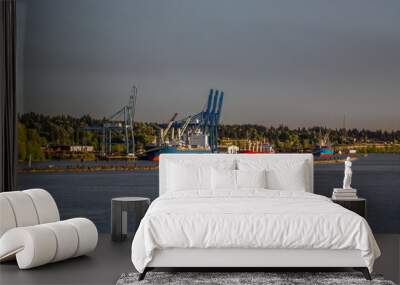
(335, 160)
(86, 169)
(75, 169)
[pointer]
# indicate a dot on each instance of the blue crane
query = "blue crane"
(208, 119)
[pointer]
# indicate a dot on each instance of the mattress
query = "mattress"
(250, 219)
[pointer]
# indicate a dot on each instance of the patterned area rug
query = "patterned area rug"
(229, 278)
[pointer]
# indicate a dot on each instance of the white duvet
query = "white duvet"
(250, 219)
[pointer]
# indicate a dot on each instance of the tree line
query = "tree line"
(37, 130)
(285, 139)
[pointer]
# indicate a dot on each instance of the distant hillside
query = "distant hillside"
(37, 130)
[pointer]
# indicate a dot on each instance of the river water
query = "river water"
(88, 194)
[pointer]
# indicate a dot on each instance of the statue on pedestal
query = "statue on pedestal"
(347, 174)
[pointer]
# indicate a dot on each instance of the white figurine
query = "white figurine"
(347, 174)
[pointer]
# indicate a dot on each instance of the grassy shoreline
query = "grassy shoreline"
(96, 168)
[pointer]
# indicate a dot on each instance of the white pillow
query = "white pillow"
(223, 179)
(183, 177)
(287, 176)
(251, 178)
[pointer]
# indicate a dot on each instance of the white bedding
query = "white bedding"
(250, 218)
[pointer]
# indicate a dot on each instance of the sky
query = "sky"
(298, 63)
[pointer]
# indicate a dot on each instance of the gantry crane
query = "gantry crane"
(206, 121)
(120, 124)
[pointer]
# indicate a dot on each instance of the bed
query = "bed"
(245, 211)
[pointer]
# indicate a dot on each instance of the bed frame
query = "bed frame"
(246, 259)
(260, 259)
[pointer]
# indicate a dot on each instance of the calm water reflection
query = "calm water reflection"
(377, 177)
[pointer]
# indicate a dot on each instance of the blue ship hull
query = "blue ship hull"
(154, 155)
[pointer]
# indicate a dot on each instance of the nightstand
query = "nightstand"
(358, 206)
(119, 215)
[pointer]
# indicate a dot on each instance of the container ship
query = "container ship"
(154, 153)
(198, 143)
(197, 133)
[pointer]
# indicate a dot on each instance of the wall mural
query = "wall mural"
(104, 89)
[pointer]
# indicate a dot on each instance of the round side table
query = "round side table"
(120, 207)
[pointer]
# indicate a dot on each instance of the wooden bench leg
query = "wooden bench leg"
(364, 271)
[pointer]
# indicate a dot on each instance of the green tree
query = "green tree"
(34, 145)
(21, 141)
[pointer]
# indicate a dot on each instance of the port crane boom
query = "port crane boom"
(184, 127)
(171, 121)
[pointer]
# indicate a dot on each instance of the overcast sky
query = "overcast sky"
(298, 63)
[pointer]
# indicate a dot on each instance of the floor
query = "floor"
(103, 266)
(110, 260)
